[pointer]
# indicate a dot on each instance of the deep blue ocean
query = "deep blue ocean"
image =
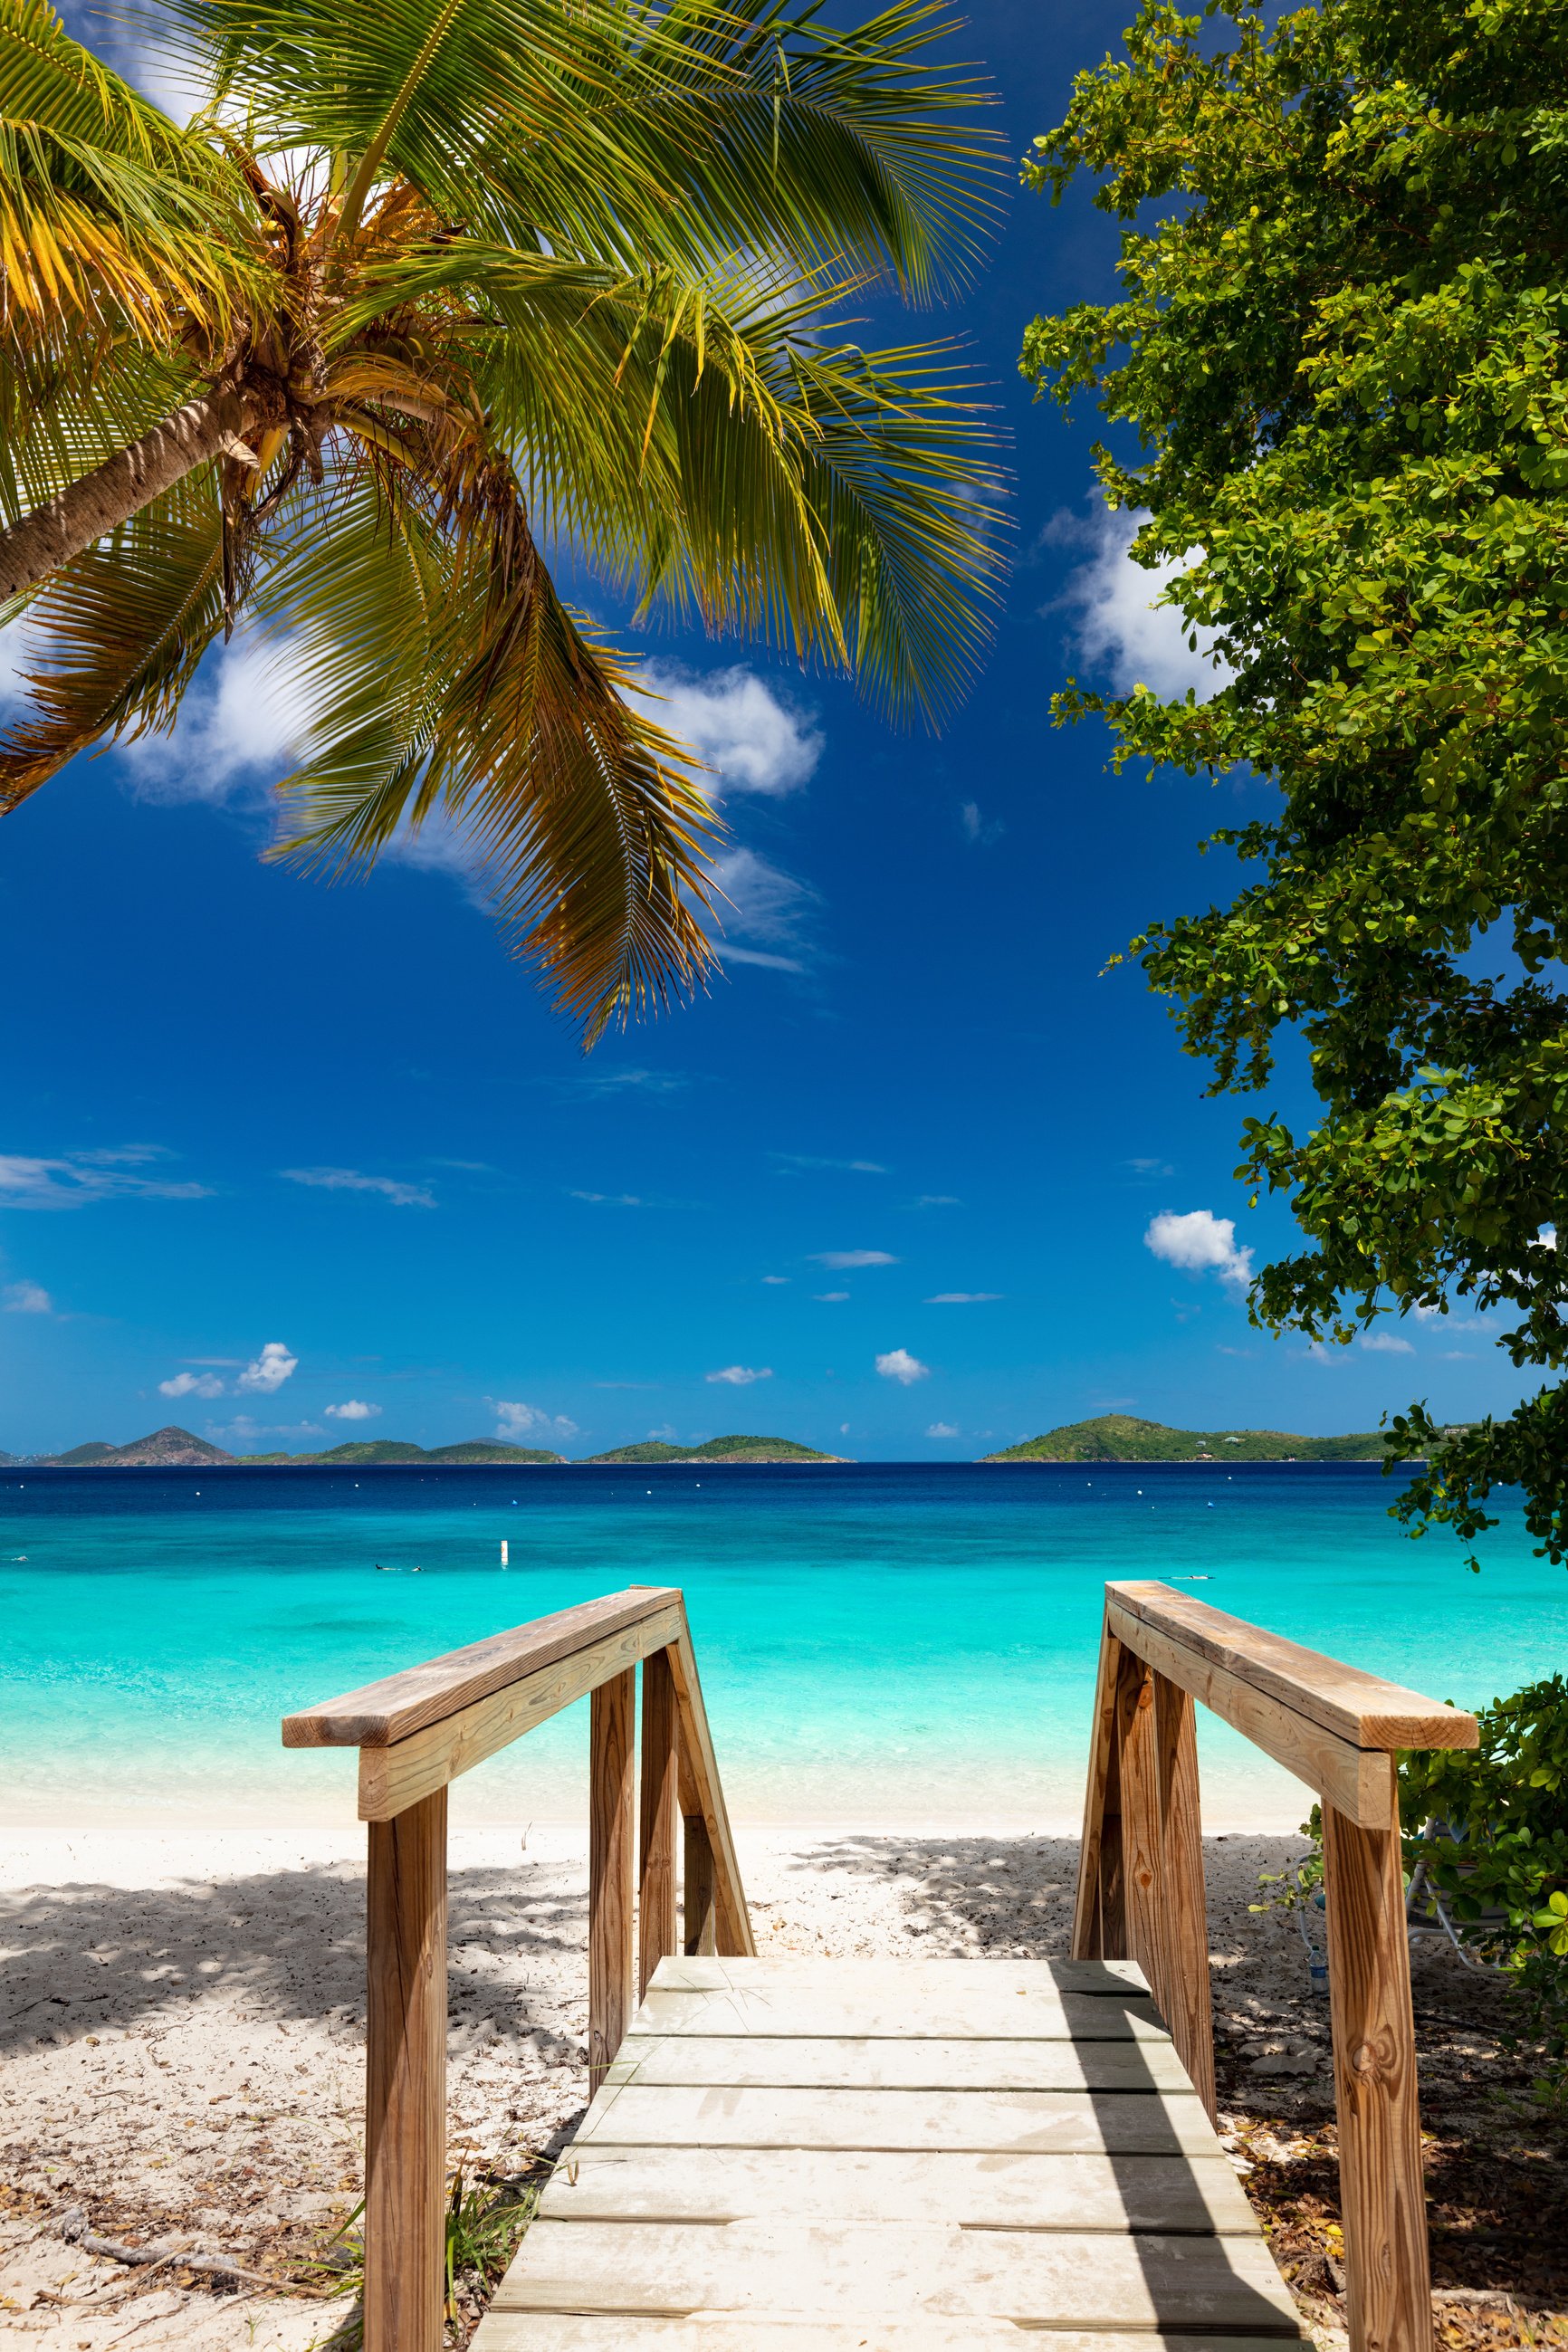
(877, 1642)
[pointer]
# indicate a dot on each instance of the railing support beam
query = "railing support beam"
(405, 2079)
(1163, 1861)
(612, 1841)
(656, 1889)
(1382, 2189)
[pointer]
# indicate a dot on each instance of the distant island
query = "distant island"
(717, 1449)
(176, 1449)
(1119, 1437)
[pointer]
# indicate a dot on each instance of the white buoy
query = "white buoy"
(503, 1552)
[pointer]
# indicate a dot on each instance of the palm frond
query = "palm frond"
(112, 220)
(451, 686)
(118, 634)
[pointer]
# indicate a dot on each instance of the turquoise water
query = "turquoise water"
(878, 1643)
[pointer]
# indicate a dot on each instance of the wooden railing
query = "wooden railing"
(1141, 1889)
(415, 1732)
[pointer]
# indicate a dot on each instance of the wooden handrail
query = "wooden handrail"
(1141, 1888)
(415, 1732)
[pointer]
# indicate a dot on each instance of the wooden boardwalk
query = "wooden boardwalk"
(822, 2155)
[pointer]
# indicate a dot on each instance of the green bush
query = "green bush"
(1500, 1857)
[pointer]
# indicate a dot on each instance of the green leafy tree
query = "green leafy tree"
(1336, 366)
(431, 287)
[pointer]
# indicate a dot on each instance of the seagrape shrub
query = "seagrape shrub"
(1498, 1853)
(1502, 1867)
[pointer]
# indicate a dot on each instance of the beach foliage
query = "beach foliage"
(1487, 1830)
(1335, 376)
(430, 295)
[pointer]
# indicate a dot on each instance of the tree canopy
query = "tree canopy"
(429, 289)
(1336, 372)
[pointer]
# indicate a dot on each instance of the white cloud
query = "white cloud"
(849, 1167)
(899, 1365)
(270, 1369)
(776, 1281)
(610, 1200)
(516, 1422)
(184, 1384)
(830, 1297)
(349, 1179)
(735, 724)
(840, 1261)
(354, 1410)
(1384, 1343)
(758, 902)
(941, 1429)
(1120, 626)
(982, 830)
(740, 1375)
(963, 1298)
(1200, 1243)
(937, 1201)
(83, 1176)
(27, 1298)
(243, 1434)
(236, 727)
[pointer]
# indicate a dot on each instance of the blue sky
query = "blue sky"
(290, 1164)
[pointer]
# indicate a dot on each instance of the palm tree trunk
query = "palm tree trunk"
(39, 542)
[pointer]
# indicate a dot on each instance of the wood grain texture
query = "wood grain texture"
(698, 1916)
(827, 2270)
(406, 2080)
(1016, 2192)
(1382, 2189)
(880, 2009)
(399, 1705)
(390, 1778)
(1099, 1800)
(961, 1978)
(732, 1924)
(848, 2063)
(659, 1810)
(1352, 1778)
(1071, 2123)
(570, 2331)
(1166, 1921)
(612, 1830)
(1360, 1708)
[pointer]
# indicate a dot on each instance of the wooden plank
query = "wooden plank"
(390, 1778)
(698, 1916)
(551, 2331)
(1087, 1928)
(830, 2270)
(846, 2063)
(1021, 2192)
(961, 1979)
(399, 1705)
(1359, 1708)
(1382, 2189)
(877, 2011)
(612, 1822)
(732, 1924)
(656, 1889)
(1349, 1777)
(405, 2079)
(1139, 2123)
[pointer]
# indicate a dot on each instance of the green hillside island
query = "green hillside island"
(717, 1449)
(1119, 1437)
(176, 1449)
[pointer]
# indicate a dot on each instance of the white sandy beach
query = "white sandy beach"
(183, 2027)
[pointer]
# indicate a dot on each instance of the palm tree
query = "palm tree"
(431, 283)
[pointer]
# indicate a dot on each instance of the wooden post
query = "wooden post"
(405, 2079)
(1099, 1853)
(699, 1920)
(612, 1830)
(1163, 1843)
(1382, 2190)
(660, 1806)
